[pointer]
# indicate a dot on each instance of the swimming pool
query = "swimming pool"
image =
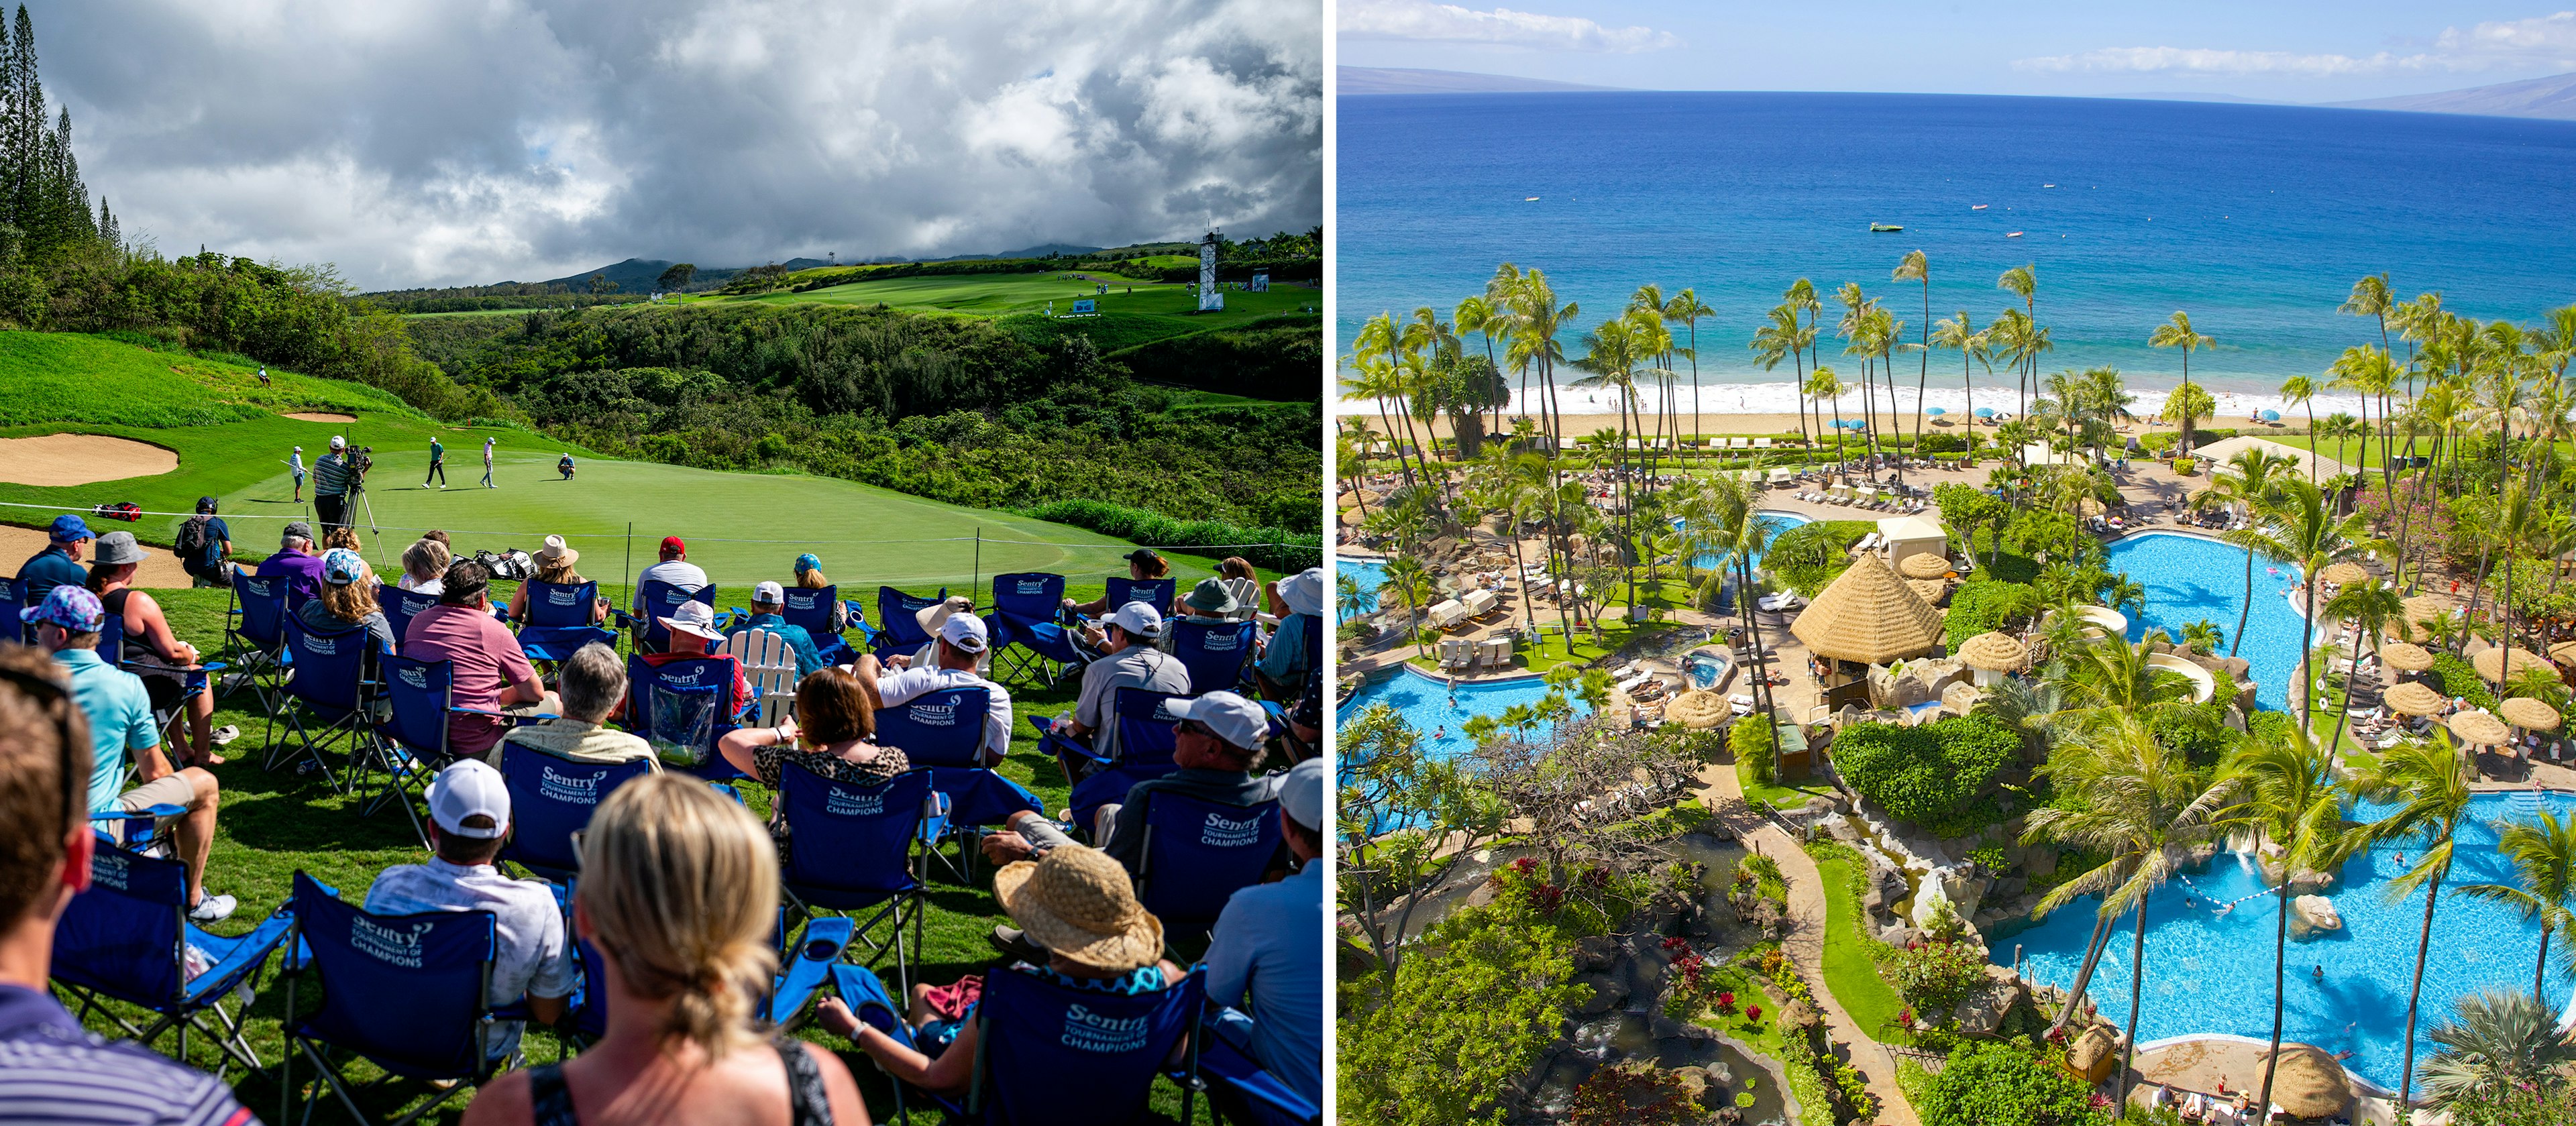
(2189, 578)
(1780, 522)
(1424, 701)
(2208, 972)
(1369, 573)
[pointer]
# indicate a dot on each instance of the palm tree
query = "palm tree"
(2371, 298)
(1855, 327)
(2286, 792)
(2146, 808)
(2339, 426)
(1961, 334)
(1686, 309)
(1916, 268)
(2430, 781)
(2501, 1041)
(1411, 582)
(2544, 869)
(2023, 282)
(2301, 390)
(1825, 385)
(1778, 339)
(2299, 526)
(2177, 332)
(2372, 606)
(1477, 314)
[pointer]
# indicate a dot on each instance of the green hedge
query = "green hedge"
(1268, 548)
(1975, 608)
(1929, 775)
(2453, 676)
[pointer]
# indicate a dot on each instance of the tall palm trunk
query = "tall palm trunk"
(2280, 955)
(2093, 948)
(1761, 659)
(2137, 988)
(2415, 993)
(2308, 653)
(2344, 713)
(2237, 640)
(2540, 969)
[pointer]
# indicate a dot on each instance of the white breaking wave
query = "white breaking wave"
(1781, 398)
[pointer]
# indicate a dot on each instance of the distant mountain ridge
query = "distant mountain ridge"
(1407, 80)
(2553, 98)
(639, 275)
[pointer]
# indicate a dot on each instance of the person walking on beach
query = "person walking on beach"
(487, 463)
(437, 463)
(295, 465)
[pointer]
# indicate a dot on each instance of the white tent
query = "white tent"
(1906, 536)
(2219, 451)
(1447, 613)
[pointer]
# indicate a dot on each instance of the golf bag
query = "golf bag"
(508, 563)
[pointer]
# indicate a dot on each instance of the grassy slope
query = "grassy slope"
(1851, 970)
(275, 824)
(1131, 314)
(851, 526)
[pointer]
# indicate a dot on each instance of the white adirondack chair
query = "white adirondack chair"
(770, 665)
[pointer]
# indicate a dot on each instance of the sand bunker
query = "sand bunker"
(320, 416)
(79, 459)
(160, 569)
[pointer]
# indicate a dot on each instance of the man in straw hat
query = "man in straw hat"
(955, 648)
(1077, 903)
(1269, 945)
(1128, 660)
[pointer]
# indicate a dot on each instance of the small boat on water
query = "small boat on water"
(1976, 207)
(1530, 199)
(1884, 227)
(2048, 185)
(2012, 234)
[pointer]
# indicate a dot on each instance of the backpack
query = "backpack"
(191, 544)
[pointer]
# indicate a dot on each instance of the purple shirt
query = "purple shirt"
(303, 572)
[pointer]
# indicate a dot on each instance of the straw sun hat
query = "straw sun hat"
(1079, 903)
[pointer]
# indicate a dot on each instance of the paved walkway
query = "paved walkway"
(1805, 943)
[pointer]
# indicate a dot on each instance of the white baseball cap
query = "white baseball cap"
(1139, 619)
(338, 441)
(768, 592)
(1240, 722)
(694, 618)
(468, 787)
(965, 632)
(1301, 793)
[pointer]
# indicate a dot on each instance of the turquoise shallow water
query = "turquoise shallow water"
(1425, 704)
(2189, 578)
(2207, 972)
(1780, 522)
(1369, 573)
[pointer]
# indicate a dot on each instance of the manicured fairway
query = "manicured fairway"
(1029, 293)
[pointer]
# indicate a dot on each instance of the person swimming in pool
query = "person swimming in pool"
(1442, 733)
(2321, 975)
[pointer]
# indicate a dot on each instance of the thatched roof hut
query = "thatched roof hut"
(1994, 652)
(1868, 615)
(2308, 1083)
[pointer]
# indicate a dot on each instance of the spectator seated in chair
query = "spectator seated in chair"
(58, 563)
(958, 644)
(151, 644)
(1073, 901)
(1216, 745)
(1298, 600)
(831, 735)
(347, 600)
(424, 564)
(1268, 946)
(555, 565)
(55, 1070)
(809, 576)
(693, 637)
(590, 684)
(1143, 565)
(469, 813)
(295, 559)
(675, 569)
(120, 721)
(678, 897)
(1129, 660)
(492, 674)
(1209, 603)
(767, 598)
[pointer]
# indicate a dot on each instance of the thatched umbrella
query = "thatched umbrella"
(2308, 1083)
(2414, 698)
(2345, 573)
(2529, 714)
(2500, 665)
(2481, 729)
(1924, 565)
(1868, 615)
(2406, 656)
(2423, 607)
(1697, 709)
(1994, 652)
(1929, 590)
(2564, 653)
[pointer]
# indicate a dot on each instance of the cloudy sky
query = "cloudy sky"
(441, 142)
(2279, 50)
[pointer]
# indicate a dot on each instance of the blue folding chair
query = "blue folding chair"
(1026, 609)
(13, 600)
(111, 642)
(1145, 742)
(551, 798)
(682, 709)
(1156, 593)
(1216, 653)
(943, 732)
(1035, 1040)
(898, 630)
(255, 635)
(126, 939)
(660, 600)
(1198, 853)
(850, 848)
(558, 622)
(812, 610)
(329, 684)
(410, 744)
(1257, 1094)
(404, 992)
(400, 607)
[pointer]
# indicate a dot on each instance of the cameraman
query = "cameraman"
(336, 476)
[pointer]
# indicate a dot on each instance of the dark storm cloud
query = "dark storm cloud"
(449, 143)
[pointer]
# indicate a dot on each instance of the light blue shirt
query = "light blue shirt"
(120, 720)
(532, 956)
(1269, 942)
(1285, 658)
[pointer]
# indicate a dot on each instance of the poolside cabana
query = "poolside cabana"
(2310, 464)
(2415, 698)
(1908, 536)
(1868, 616)
(2500, 665)
(1993, 655)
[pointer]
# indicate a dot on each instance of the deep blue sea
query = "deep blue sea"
(2255, 219)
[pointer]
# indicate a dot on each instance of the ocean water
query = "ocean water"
(2255, 219)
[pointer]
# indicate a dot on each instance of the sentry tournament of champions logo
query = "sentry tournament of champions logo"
(1087, 1031)
(1221, 831)
(934, 715)
(387, 944)
(1033, 586)
(854, 803)
(568, 788)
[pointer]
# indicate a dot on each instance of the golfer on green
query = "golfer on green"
(487, 463)
(437, 463)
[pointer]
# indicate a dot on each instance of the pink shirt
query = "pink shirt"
(487, 660)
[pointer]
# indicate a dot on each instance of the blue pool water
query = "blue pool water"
(2189, 578)
(2211, 973)
(1780, 522)
(1424, 702)
(1369, 573)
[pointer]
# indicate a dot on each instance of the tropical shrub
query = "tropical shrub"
(1924, 774)
(1933, 977)
(1981, 606)
(1810, 555)
(1989, 1083)
(1634, 1092)
(2452, 676)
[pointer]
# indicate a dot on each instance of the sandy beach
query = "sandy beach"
(1578, 425)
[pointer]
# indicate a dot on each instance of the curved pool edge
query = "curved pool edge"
(2361, 1084)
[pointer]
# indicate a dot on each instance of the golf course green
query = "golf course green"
(742, 527)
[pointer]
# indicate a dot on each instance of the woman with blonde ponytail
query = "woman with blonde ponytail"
(678, 894)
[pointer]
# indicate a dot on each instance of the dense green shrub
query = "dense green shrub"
(1981, 606)
(1928, 774)
(1998, 1084)
(1271, 548)
(1933, 977)
(2452, 676)
(2199, 731)
(1750, 739)
(1810, 555)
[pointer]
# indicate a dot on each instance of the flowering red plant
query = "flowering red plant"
(1753, 1012)
(1726, 1002)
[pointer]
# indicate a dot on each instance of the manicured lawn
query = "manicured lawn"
(1777, 795)
(274, 824)
(1851, 968)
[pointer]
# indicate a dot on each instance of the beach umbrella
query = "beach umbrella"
(2271, 416)
(2529, 714)
(1925, 565)
(2500, 665)
(1929, 590)
(2481, 729)
(1936, 412)
(1868, 615)
(1994, 652)
(2424, 607)
(2344, 574)
(2309, 1084)
(1985, 412)
(2414, 698)
(2406, 656)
